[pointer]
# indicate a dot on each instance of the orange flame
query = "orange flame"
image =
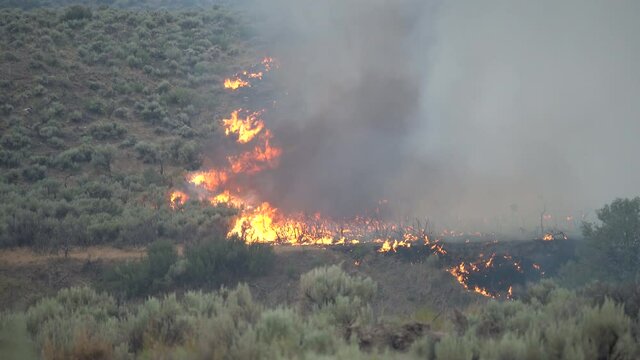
(393, 246)
(226, 198)
(255, 161)
(246, 129)
(209, 180)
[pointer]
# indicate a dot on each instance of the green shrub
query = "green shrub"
(9, 159)
(452, 348)
(104, 131)
(323, 286)
(608, 331)
(34, 173)
(102, 157)
(161, 256)
(70, 159)
(218, 260)
(77, 12)
(76, 116)
(613, 244)
(96, 106)
(15, 141)
(147, 152)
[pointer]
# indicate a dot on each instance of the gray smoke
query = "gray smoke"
(476, 113)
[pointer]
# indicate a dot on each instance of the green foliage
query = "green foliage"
(34, 173)
(104, 131)
(80, 90)
(15, 342)
(148, 275)
(77, 12)
(216, 260)
(322, 287)
(612, 246)
(452, 348)
(161, 256)
(615, 243)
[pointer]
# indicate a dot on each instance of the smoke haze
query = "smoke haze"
(464, 112)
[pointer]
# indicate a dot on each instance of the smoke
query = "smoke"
(466, 112)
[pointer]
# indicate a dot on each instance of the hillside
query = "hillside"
(102, 110)
(136, 220)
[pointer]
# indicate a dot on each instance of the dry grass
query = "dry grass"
(26, 256)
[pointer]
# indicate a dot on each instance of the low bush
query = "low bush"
(104, 131)
(217, 260)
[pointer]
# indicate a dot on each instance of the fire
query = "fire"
(482, 291)
(547, 237)
(393, 246)
(251, 162)
(256, 225)
(472, 275)
(209, 180)
(177, 199)
(266, 224)
(235, 84)
(246, 129)
(241, 79)
(226, 198)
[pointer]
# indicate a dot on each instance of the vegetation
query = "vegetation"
(104, 107)
(99, 121)
(611, 250)
(213, 261)
(333, 319)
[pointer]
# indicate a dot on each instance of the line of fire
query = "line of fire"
(491, 274)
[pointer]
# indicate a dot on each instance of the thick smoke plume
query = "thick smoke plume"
(477, 114)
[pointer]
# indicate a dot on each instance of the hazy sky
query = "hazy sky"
(456, 109)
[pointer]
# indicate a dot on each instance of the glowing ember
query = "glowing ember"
(246, 129)
(491, 273)
(177, 199)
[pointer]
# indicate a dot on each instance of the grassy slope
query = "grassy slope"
(101, 112)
